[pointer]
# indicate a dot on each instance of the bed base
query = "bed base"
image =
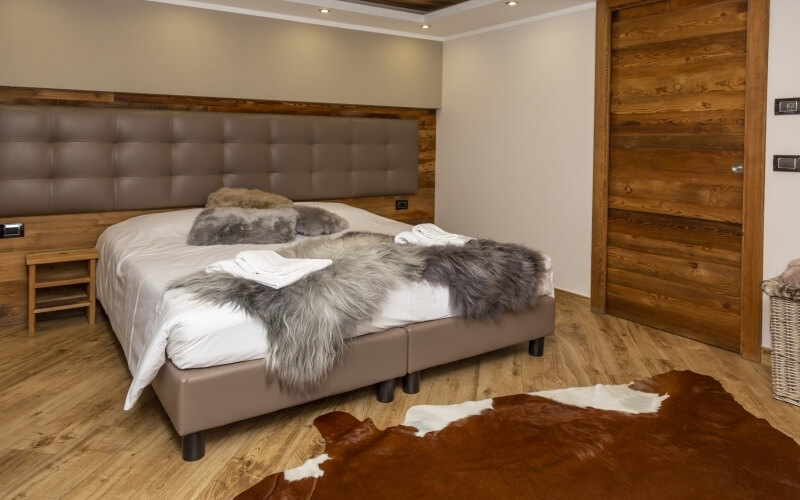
(204, 398)
(411, 380)
(194, 444)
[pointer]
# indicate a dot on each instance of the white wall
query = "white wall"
(514, 139)
(782, 191)
(138, 46)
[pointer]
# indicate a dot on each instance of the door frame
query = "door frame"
(754, 160)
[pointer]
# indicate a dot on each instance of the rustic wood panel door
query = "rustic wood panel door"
(676, 135)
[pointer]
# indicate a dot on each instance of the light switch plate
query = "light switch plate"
(787, 106)
(786, 163)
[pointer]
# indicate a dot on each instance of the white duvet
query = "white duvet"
(140, 257)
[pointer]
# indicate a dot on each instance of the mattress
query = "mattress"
(141, 256)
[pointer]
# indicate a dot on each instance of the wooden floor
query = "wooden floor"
(64, 434)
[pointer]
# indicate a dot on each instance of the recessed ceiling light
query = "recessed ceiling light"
(511, 3)
(323, 11)
(425, 26)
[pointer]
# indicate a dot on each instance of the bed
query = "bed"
(206, 362)
(78, 160)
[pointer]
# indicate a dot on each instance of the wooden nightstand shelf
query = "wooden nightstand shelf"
(61, 280)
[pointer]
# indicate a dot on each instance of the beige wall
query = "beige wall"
(514, 140)
(782, 190)
(138, 46)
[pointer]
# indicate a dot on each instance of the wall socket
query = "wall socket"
(401, 204)
(12, 230)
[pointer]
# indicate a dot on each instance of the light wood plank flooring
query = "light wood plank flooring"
(64, 434)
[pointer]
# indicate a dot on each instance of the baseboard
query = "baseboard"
(766, 356)
(560, 291)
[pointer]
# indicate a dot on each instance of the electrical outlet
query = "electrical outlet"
(401, 204)
(12, 230)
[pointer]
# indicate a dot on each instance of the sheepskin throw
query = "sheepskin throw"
(308, 323)
(245, 198)
(236, 226)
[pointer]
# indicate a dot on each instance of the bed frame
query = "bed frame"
(204, 398)
(58, 160)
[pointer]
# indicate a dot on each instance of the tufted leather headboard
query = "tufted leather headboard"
(57, 160)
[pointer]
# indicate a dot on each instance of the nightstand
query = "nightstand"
(61, 280)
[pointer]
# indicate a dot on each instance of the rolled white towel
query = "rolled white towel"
(408, 238)
(430, 235)
(268, 267)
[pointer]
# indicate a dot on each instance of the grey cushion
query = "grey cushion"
(315, 221)
(235, 226)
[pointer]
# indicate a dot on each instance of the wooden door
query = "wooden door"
(681, 100)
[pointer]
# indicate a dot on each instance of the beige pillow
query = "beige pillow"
(245, 198)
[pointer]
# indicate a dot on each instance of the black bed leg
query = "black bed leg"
(194, 446)
(411, 383)
(536, 347)
(386, 391)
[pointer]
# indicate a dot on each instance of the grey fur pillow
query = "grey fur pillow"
(245, 198)
(235, 226)
(314, 221)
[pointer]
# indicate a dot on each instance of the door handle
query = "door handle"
(737, 168)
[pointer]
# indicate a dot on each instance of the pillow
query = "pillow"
(245, 198)
(314, 221)
(235, 226)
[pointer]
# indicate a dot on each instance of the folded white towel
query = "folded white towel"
(268, 267)
(430, 235)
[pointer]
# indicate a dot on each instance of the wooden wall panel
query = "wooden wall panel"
(680, 52)
(674, 182)
(632, 9)
(82, 230)
(685, 317)
(678, 22)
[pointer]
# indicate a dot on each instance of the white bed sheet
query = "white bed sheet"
(139, 257)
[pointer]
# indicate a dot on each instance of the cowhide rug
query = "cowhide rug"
(676, 435)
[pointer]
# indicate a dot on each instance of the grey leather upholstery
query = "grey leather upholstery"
(434, 343)
(203, 398)
(61, 159)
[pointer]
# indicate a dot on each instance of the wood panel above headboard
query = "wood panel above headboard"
(51, 232)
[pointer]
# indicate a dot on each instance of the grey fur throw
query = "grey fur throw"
(245, 198)
(308, 323)
(236, 226)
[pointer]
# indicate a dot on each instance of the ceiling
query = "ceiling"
(447, 18)
(419, 6)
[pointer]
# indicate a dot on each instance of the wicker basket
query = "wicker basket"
(784, 327)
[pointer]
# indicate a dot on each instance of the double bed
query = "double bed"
(206, 362)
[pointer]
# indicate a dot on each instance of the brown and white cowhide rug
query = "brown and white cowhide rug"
(676, 435)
